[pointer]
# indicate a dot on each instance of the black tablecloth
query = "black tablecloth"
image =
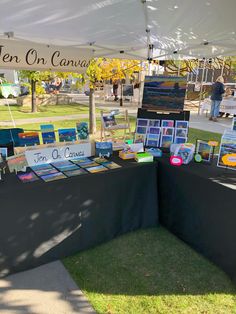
(41, 222)
(197, 203)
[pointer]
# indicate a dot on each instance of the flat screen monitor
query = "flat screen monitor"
(164, 92)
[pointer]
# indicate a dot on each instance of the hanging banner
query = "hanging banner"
(30, 56)
(57, 153)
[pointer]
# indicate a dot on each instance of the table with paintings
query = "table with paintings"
(47, 219)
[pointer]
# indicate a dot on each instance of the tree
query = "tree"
(106, 69)
(34, 77)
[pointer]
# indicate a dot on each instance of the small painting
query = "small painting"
(67, 135)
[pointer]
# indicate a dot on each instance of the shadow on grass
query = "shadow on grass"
(147, 262)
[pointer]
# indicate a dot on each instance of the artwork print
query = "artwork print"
(166, 141)
(48, 137)
(82, 130)
(142, 122)
(164, 92)
(28, 138)
(128, 90)
(152, 122)
(141, 130)
(27, 177)
(167, 123)
(139, 138)
(67, 135)
(180, 124)
(181, 132)
(205, 150)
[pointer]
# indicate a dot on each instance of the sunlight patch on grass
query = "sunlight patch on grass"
(151, 271)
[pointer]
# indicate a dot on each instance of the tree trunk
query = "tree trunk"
(33, 99)
(92, 113)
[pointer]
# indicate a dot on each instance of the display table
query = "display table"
(197, 204)
(228, 105)
(41, 222)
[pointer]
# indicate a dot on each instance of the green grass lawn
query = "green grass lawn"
(43, 111)
(193, 133)
(150, 271)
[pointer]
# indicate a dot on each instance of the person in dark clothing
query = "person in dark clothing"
(216, 98)
(115, 90)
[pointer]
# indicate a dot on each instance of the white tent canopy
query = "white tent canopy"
(125, 28)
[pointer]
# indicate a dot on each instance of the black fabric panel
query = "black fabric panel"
(41, 222)
(151, 114)
(197, 204)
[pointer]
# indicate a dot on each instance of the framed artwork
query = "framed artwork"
(205, 150)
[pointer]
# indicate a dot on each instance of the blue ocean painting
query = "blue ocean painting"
(48, 137)
(67, 135)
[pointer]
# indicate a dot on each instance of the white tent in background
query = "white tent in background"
(137, 29)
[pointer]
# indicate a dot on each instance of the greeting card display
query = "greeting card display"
(226, 158)
(161, 132)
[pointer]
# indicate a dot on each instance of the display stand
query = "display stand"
(163, 115)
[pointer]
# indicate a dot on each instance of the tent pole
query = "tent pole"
(201, 85)
(12, 119)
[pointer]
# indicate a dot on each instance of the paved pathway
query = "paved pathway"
(47, 289)
(201, 122)
(196, 121)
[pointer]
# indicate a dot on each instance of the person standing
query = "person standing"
(216, 98)
(115, 90)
